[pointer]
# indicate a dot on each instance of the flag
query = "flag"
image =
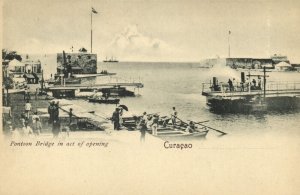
(94, 11)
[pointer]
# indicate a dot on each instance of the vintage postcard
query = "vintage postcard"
(150, 97)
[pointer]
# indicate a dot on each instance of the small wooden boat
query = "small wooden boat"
(166, 131)
(179, 133)
(104, 101)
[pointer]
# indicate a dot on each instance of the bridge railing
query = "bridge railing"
(249, 87)
(282, 86)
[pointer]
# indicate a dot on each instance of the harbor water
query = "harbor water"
(180, 85)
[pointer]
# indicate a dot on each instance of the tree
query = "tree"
(8, 84)
(10, 55)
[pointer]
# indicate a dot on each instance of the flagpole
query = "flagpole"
(229, 43)
(91, 31)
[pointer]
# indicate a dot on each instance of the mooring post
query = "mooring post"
(265, 80)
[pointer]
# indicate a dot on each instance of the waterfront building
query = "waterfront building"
(246, 63)
(30, 70)
(276, 58)
(77, 63)
(283, 66)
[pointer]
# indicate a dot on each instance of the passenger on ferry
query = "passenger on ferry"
(230, 85)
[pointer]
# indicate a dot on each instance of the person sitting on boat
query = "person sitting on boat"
(174, 116)
(190, 128)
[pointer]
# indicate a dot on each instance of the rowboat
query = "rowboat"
(171, 134)
(167, 131)
(179, 133)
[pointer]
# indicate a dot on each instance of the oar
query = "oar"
(188, 124)
(214, 129)
(199, 122)
(182, 121)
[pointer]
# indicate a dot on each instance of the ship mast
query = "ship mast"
(92, 31)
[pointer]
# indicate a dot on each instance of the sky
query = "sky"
(155, 30)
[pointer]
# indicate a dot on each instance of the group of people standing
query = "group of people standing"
(31, 126)
(117, 118)
(152, 122)
(254, 85)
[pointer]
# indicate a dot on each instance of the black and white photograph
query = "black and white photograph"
(150, 97)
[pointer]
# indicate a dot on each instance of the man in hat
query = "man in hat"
(116, 119)
(51, 109)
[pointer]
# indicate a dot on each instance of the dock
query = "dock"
(95, 87)
(114, 89)
(99, 121)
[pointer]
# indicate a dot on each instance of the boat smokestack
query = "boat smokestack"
(242, 77)
(215, 81)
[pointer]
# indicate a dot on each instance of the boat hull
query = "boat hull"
(172, 134)
(247, 105)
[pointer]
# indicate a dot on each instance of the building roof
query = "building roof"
(15, 62)
(283, 64)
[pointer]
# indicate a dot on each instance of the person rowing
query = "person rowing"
(191, 127)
